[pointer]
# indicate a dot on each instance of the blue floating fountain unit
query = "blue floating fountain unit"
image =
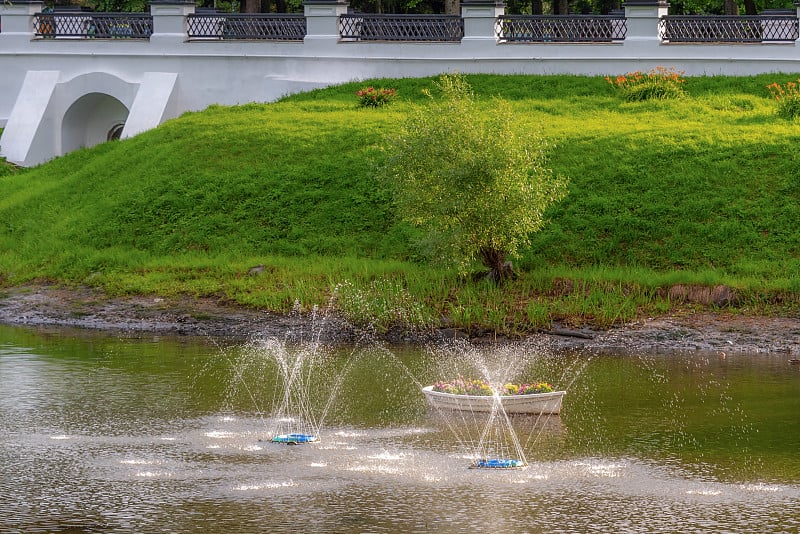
(295, 439)
(497, 463)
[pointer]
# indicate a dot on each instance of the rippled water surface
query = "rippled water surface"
(104, 434)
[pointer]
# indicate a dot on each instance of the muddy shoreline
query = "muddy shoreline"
(85, 308)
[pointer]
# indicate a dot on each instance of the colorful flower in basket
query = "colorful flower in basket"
(536, 387)
(468, 386)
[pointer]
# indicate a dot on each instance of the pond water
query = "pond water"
(149, 434)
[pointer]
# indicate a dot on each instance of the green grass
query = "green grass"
(703, 190)
(5, 167)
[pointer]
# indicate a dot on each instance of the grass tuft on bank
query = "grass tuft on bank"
(701, 191)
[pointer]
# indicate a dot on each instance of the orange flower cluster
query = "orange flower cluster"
(787, 97)
(787, 90)
(656, 75)
(369, 97)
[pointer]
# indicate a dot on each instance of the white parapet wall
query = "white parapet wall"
(46, 83)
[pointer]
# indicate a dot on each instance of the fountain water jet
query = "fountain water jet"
(490, 435)
(291, 380)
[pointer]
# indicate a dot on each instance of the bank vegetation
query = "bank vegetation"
(690, 203)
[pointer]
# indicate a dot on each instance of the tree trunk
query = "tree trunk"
(537, 7)
(500, 270)
(750, 7)
(251, 6)
(731, 7)
(560, 7)
(452, 7)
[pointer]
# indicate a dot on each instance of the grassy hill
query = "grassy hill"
(701, 191)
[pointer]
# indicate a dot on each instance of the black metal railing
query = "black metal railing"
(437, 28)
(728, 28)
(369, 27)
(561, 28)
(93, 25)
(229, 26)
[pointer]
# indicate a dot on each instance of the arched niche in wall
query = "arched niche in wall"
(92, 119)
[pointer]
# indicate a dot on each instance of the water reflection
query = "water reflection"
(103, 434)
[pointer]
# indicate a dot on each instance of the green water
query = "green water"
(150, 434)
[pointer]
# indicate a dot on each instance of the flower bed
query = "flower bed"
(466, 386)
(660, 83)
(788, 98)
(369, 97)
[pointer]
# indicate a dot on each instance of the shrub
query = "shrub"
(788, 98)
(470, 178)
(660, 83)
(369, 97)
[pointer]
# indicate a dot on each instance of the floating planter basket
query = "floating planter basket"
(534, 403)
(295, 439)
(497, 463)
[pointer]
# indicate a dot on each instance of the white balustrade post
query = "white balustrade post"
(322, 20)
(17, 20)
(479, 19)
(797, 10)
(169, 20)
(642, 20)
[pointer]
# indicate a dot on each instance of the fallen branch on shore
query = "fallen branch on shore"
(566, 333)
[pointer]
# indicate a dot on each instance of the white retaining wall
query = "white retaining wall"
(157, 79)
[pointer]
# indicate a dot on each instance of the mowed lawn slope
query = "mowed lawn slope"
(699, 191)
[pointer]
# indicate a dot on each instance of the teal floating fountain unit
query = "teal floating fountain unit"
(498, 463)
(295, 439)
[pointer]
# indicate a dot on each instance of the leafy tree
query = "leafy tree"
(463, 174)
(118, 6)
